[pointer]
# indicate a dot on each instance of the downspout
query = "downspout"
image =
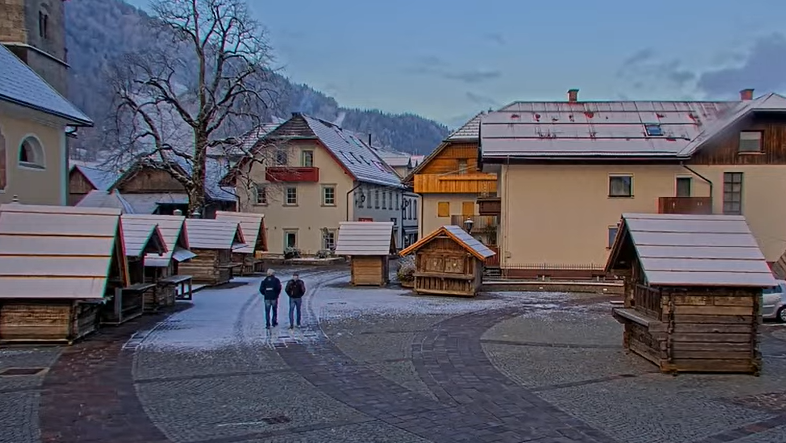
(350, 192)
(712, 195)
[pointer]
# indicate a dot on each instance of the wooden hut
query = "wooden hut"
(58, 266)
(693, 288)
(368, 245)
(163, 269)
(448, 261)
(141, 237)
(253, 226)
(213, 242)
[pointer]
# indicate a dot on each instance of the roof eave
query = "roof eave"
(71, 119)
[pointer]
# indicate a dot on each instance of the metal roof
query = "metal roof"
(457, 234)
(20, 85)
(173, 232)
(148, 203)
(58, 251)
(364, 238)
(141, 236)
(252, 225)
(353, 153)
(103, 199)
(214, 234)
(99, 178)
(470, 130)
(694, 250)
(601, 129)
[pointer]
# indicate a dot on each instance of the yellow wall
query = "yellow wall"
(309, 216)
(560, 215)
(45, 186)
(430, 222)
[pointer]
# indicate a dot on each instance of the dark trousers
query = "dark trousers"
(271, 304)
(294, 306)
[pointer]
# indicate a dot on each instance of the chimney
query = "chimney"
(746, 94)
(573, 95)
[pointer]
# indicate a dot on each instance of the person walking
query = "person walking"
(270, 288)
(295, 289)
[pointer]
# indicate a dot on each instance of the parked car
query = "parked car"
(774, 302)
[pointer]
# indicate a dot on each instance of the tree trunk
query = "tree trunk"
(197, 196)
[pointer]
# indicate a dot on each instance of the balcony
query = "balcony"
(291, 174)
(489, 206)
(685, 205)
(480, 223)
(476, 183)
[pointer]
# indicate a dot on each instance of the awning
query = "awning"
(182, 254)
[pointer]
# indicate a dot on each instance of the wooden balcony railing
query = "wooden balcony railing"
(489, 206)
(685, 205)
(480, 223)
(291, 174)
(647, 300)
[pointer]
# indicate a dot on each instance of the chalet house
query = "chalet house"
(567, 170)
(34, 120)
(148, 189)
(84, 179)
(319, 176)
(453, 188)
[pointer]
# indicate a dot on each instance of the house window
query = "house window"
(409, 208)
(416, 208)
(462, 166)
(43, 25)
(612, 235)
(750, 141)
(2, 162)
(620, 186)
(328, 239)
(397, 201)
(281, 157)
(654, 130)
(290, 239)
(260, 194)
(684, 185)
(329, 195)
(390, 199)
(291, 196)
(376, 199)
(31, 153)
(384, 200)
(732, 193)
(361, 197)
(443, 209)
(307, 159)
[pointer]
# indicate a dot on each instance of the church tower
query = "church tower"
(34, 30)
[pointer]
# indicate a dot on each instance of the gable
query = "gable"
(149, 180)
(78, 183)
(723, 147)
(446, 160)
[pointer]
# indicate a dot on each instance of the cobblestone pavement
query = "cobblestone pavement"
(379, 365)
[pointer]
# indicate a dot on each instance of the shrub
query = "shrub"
(406, 269)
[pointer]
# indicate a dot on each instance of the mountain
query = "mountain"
(99, 30)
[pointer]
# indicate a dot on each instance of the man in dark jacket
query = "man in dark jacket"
(295, 289)
(270, 288)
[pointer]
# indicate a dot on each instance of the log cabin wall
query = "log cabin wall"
(444, 267)
(725, 149)
(205, 267)
(150, 180)
(369, 270)
(78, 187)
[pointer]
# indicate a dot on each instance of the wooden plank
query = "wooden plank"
(709, 310)
(714, 354)
(682, 318)
(711, 347)
(697, 328)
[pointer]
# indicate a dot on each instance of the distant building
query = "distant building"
(308, 175)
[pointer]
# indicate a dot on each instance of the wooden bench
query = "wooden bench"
(128, 304)
(183, 286)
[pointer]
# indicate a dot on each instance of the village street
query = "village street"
(379, 365)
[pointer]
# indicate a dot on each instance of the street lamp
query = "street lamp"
(468, 225)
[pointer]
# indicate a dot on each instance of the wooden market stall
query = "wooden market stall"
(213, 242)
(141, 236)
(448, 261)
(368, 245)
(693, 288)
(164, 269)
(253, 226)
(58, 266)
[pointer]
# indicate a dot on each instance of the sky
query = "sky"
(449, 59)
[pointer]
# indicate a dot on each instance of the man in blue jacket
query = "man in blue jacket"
(270, 288)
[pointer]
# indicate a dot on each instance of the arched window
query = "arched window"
(3, 167)
(31, 153)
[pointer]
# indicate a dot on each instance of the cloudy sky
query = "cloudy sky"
(449, 59)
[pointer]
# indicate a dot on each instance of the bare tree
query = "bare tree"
(207, 82)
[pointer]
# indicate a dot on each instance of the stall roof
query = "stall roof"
(105, 199)
(173, 231)
(692, 250)
(253, 226)
(365, 238)
(141, 236)
(460, 236)
(214, 234)
(59, 252)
